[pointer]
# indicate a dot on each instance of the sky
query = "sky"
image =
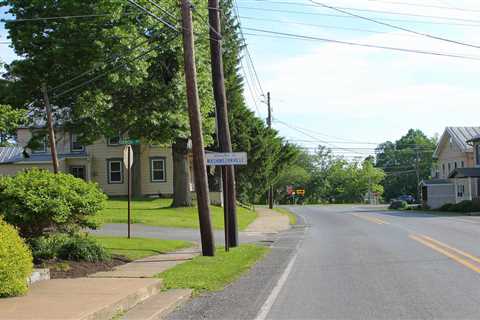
(348, 97)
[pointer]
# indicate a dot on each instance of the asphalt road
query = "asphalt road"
(358, 262)
(362, 263)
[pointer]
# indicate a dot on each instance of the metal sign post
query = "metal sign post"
(224, 159)
(128, 161)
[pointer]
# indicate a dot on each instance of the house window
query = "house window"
(443, 169)
(157, 170)
(460, 190)
(114, 141)
(449, 168)
(115, 171)
(42, 146)
(477, 153)
(456, 165)
(463, 164)
(75, 146)
(78, 172)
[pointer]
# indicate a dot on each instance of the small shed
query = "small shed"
(437, 192)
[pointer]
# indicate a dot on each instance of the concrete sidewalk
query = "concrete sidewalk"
(268, 221)
(100, 296)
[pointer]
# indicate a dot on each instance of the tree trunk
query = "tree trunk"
(181, 174)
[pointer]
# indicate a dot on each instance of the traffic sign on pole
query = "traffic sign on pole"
(226, 158)
(128, 151)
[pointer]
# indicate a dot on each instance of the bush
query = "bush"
(398, 204)
(67, 247)
(47, 247)
(37, 200)
(15, 262)
(83, 248)
(446, 207)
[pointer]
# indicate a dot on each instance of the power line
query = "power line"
(375, 11)
(151, 14)
(425, 5)
(349, 17)
(83, 16)
(325, 26)
(394, 26)
(356, 44)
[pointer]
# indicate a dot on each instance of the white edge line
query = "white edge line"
(267, 306)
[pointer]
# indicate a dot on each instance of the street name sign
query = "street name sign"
(226, 158)
(130, 141)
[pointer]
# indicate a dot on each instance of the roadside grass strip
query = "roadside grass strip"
(213, 273)
(292, 217)
(464, 258)
(137, 248)
(371, 219)
(157, 212)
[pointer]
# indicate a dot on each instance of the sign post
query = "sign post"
(224, 159)
(128, 161)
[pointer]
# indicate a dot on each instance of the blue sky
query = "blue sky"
(344, 94)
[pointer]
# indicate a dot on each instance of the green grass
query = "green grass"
(213, 273)
(291, 216)
(157, 212)
(137, 248)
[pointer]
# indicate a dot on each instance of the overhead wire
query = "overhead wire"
(276, 34)
(427, 35)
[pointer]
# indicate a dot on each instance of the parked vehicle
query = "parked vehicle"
(407, 198)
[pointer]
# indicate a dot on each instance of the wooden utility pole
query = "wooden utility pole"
(223, 128)
(199, 164)
(51, 131)
(269, 122)
(417, 169)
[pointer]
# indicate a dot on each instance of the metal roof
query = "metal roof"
(465, 173)
(475, 139)
(16, 155)
(10, 154)
(435, 182)
(459, 136)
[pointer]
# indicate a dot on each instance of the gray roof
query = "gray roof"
(465, 173)
(460, 136)
(475, 139)
(9, 154)
(435, 181)
(15, 155)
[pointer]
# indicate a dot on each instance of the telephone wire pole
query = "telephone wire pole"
(269, 122)
(51, 130)
(199, 164)
(224, 139)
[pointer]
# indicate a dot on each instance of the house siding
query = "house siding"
(451, 154)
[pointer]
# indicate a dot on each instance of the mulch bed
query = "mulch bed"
(77, 269)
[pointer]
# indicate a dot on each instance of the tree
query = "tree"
(10, 120)
(398, 160)
(135, 63)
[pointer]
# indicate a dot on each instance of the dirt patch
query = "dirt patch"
(77, 269)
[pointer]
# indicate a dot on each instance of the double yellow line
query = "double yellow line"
(464, 258)
(371, 219)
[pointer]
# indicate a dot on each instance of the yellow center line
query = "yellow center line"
(371, 219)
(446, 253)
(463, 253)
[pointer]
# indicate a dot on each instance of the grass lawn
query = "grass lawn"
(157, 212)
(291, 216)
(213, 273)
(137, 248)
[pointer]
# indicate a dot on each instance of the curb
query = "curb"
(159, 306)
(126, 303)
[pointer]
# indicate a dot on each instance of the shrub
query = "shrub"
(47, 247)
(83, 248)
(15, 262)
(398, 204)
(446, 207)
(37, 200)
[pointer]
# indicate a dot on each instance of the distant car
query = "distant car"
(407, 198)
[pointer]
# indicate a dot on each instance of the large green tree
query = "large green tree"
(10, 120)
(120, 71)
(399, 160)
